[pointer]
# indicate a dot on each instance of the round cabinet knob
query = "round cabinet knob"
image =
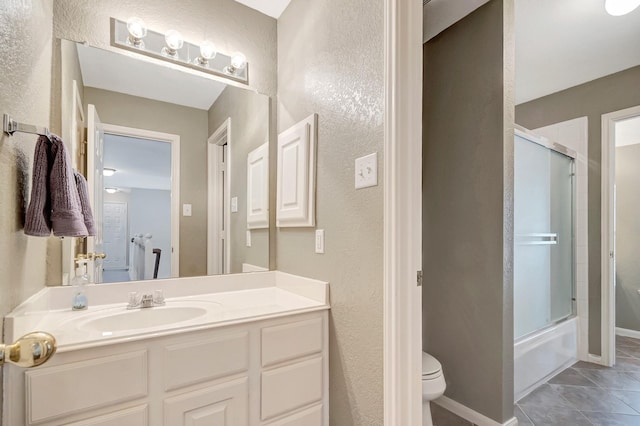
(31, 350)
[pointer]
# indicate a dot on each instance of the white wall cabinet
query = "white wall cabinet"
(264, 373)
(296, 174)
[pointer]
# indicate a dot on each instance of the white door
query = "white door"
(115, 235)
(95, 164)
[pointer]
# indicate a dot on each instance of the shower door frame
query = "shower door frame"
(568, 152)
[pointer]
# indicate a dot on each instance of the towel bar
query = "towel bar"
(10, 126)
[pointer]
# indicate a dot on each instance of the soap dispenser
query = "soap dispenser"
(79, 282)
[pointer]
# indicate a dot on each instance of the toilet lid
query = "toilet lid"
(430, 365)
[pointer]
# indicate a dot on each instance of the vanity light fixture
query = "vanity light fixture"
(108, 172)
(207, 52)
(173, 48)
(137, 31)
(620, 7)
(174, 42)
(111, 190)
(237, 63)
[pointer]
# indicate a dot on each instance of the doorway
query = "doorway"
(620, 299)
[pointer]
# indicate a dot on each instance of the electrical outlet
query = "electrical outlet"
(186, 210)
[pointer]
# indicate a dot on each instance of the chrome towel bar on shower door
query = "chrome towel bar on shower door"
(536, 239)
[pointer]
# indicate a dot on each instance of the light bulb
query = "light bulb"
(174, 42)
(108, 172)
(111, 190)
(207, 51)
(137, 31)
(238, 62)
(620, 7)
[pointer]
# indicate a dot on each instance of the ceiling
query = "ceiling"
(139, 163)
(140, 76)
(561, 44)
(273, 8)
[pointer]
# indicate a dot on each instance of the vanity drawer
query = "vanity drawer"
(136, 416)
(289, 341)
(290, 387)
(200, 361)
(80, 386)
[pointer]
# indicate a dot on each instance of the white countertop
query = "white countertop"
(216, 300)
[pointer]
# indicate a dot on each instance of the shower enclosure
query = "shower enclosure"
(544, 285)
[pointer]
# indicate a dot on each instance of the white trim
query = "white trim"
(627, 333)
(594, 359)
(402, 213)
(608, 318)
(215, 144)
(471, 415)
(174, 140)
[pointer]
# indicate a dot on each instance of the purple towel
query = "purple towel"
(55, 202)
(38, 221)
(83, 192)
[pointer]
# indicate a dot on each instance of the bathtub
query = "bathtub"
(540, 356)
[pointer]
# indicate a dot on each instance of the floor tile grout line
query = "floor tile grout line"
(525, 414)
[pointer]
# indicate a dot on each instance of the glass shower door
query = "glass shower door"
(543, 228)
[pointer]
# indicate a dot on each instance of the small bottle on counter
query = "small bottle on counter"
(79, 282)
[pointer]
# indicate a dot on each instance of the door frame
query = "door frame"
(402, 300)
(608, 257)
(174, 140)
(215, 144)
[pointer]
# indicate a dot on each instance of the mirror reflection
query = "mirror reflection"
(168, 153)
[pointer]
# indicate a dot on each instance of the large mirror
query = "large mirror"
(176, 163)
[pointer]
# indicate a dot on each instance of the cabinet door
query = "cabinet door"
(136, 416)
(226, 404)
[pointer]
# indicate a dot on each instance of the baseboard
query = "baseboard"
(627, 333)
(469, 414)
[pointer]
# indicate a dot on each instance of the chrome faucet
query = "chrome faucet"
(146, 300)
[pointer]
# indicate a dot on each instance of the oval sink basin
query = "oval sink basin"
(142, 318)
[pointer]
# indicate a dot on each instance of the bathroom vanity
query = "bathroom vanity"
(248, 349)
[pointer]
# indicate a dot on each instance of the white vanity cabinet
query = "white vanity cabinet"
(270, 372)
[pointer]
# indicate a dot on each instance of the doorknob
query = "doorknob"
(31, 350)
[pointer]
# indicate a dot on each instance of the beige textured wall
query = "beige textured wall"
(191, 125)
(611, 93)
(25, 93)
(330, 61)
(249, 113)
(468, 208)
(627, 242)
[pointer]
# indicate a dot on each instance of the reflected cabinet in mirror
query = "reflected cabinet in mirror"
(177, 167)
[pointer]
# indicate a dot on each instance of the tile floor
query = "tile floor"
(589, 394)
(582, 395)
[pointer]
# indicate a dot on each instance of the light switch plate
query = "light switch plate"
(234, 205)
(186, 210)
(367, 171)
(248, 238)
(320, 241)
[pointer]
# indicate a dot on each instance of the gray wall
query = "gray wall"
(468, 208)
(611, 93)
(627, 237)
(191, 125)
(249, 113)
(331, 62)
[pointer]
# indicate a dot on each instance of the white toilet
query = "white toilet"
(433, 385)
